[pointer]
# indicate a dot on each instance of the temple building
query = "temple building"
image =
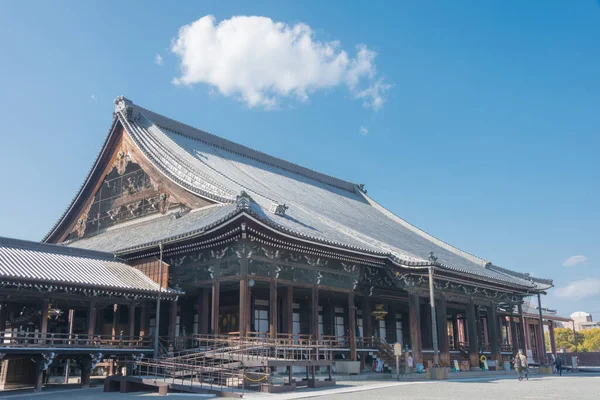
(242, 243)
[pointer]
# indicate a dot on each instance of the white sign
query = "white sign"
(398, 349)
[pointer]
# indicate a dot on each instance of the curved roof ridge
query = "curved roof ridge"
(240, 149)
(521, 275)
(85, 181)
(455, 250)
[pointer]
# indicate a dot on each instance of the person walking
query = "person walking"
(524, 365)
(558, 363)
(517, 363)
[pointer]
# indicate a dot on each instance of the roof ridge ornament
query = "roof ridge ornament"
(125, 106)
(432, 257)
(243, 201)
(278, 209)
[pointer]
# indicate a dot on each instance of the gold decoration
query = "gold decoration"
(379, 312)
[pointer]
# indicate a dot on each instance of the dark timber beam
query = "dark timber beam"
(44, 305)
(290, 310)
(352, 325)
(215, 308)
(243, 307)
(522, 331)
(114, 321)
(315, 312)
(173, 320)
(144, 319)
(367, 318)
(442, 325)
(203, 312)
(494, 334)
(414, 312)
(131, 328)
(273, 309)
(472, 316)
(91, 318)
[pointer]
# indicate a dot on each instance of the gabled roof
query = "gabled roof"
(320, 208)
(32, 264)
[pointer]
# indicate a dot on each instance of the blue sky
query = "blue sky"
(487, 135)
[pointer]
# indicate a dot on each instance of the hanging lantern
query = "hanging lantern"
(379, 313)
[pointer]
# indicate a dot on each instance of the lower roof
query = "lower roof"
(25, 263)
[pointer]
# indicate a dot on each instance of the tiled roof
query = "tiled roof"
(162, 229)
(26, 262)
(532, 311)
(321, 208)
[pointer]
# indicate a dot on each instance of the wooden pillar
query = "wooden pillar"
(442, 325)
(249, 310)
(414, 315)
(513, 334)
(352, 325)
(523, 330)
(214, 326)
(455, 334)
(552, 338)
(39, 375)
(3, 318)
(494, 334)
(243, 307)
(390, 324)
(85, 366)
(203, 312)
(539, 336)
(273, 309)
(91, 318)
(144, 319)
(114, 321)
(526, 329)
(473, 335)
(367, 318)
(315, 313)
(173, 320)
(131, 328)
(290, 310)
(44, 320)
(426, 333)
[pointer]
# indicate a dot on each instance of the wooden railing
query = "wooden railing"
(12, 339)
(506, 348)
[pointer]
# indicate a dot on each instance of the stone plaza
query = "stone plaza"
(582, 386)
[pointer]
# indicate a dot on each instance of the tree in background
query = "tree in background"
(564, 340)
(587, 341)
(591, 339)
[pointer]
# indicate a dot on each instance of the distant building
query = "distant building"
(590, 325)
(581, 319)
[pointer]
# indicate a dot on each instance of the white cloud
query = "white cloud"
(93, 97)
(158, 60)
(260, 61)
(363, 130)
(580, 289)
(574, 260)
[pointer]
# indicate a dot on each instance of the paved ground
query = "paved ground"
(573, 386)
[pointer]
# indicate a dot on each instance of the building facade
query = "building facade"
(251, 245)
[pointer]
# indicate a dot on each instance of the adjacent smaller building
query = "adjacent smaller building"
(59, 303)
